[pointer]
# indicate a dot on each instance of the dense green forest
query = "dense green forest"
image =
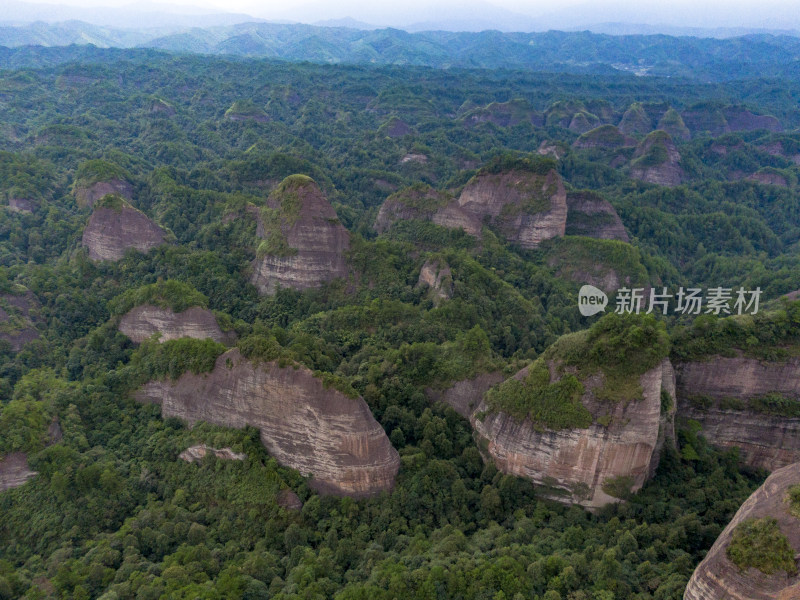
(198, 143)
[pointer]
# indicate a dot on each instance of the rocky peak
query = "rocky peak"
(304, 244)
(591, 215)
(635, 121)
(718, 577)
(582, 122)
(304, 424)
(116, 227)
(605, 137)
(657, 160)
(98, 178)
(672, 122)
(142, 322)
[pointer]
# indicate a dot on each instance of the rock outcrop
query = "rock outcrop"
(25, 206)
(18, 309)
(525, 207)
(113, 229)
(304, 243)
(584, 465)
(464, 396)
(672, 122)
(199, 452)
(635, 121)
(14, 471)
(582, 122)
(591, 215)
(718, 578)
(437, 276)
(287, 499)
(657, 161)
(86, 194)
(320, 432)
(504, 114)
(769, 178)
(705, 120)
(741, 119)
(718, 393)
(605, 137)
(142, 322)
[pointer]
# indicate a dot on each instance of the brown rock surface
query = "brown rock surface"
(320, 432)
(142, 322)
(672, 122)
(525, 207)
(437, 276)
(14, 471)
(315, 241)
(111, 232)
(199, 452)
(767, 441)
(657, 161)
(635, 121)
(465, 395)
(23, 205)
(741, 119)
(717, 578)
(289, 500)
(575, 463)
(87, 195)
(591, 215)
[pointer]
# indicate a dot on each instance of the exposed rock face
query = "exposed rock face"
(438, 277)
(769, 178)
(17, 317)
(87, 195)
(605, 137)
(289, 500)
(142, 322)
(635, 121)
(311, 242)
(414, 157)
(23, 205)
(553, 149)
(395, 128)
(657, 161)
(767, 441)
(14, 471)
(717, 578)
(578, 462)
(111, 232)
(198, 453)
(582, 122)
(465, 395)
(526, 208)
(504, 114)
(740, 119)
(705, 119)
(673, 124)
(591, 215)
(320, 432)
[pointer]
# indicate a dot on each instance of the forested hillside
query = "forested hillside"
(257, 321)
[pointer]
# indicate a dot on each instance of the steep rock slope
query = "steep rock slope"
(591, 215)
(87, 194)
(730, 397)
(464, 396)
(583, 464)
(605, 137)
(719, 578)
(304, 243)
(141, 322)
(14, 471)
(657, 160)
(635, 121)
(437, 276)
(672, 122)
(115, 227)
(320, 432)
(18, 309)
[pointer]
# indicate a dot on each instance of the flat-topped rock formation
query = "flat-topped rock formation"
(304, 244)
(719, 578)
(591, 215)
(657, 160)
(116, 227)
(725, 395)
(584, 465)
(142, 322)
(319, 432)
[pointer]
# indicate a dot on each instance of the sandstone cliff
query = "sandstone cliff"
(584, 465)
(769, 178)
(142, 322)
(718, 392)
(718, 578)
(635, 121)
(591, 215)
(23, 205)
(524, 206)
(14, 471)
(605, 137)
(320, 432)
(657, 161)
(465, 396)
(304, 242)
(504, 114)
(437, 276)
(86, 194)
(672, 122)
(115, 227)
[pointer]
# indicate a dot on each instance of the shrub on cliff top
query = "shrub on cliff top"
(170, 294)
(92, 171)
(508, 161)
(759, 543)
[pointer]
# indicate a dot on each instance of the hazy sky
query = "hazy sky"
(777, 14)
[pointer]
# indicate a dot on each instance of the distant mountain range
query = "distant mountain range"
(708, 59)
